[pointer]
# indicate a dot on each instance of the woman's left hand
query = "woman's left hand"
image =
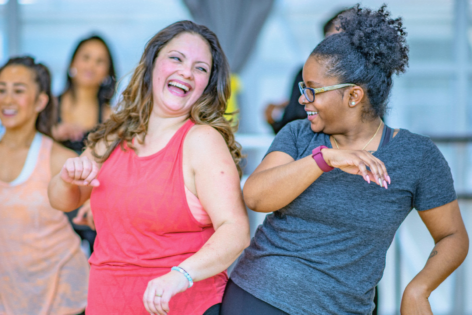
(160, 290)
(415, 302)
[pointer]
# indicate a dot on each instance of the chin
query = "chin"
(317, 129)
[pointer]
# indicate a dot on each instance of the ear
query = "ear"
(355, 96)
(41, 102)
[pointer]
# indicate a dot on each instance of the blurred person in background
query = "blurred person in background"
(278, 115)
(323, 249)
(85, 103)
(42, 269)
(162, 175)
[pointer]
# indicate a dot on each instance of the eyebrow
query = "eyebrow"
(16, 84)
(313, 83)
(186, 57)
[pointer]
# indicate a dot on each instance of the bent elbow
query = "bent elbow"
(250, 202)
(250, 197)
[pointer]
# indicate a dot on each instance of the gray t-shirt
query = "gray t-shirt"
(325, 252)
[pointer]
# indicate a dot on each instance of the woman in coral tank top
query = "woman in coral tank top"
(162, 175)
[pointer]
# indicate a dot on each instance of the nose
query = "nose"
(302, 100)
(186, 72)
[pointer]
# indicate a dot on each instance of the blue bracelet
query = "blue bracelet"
(185, 273)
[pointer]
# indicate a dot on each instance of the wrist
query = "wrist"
(416, 290)
(326, 152)
(320, 155)
(65, 183)
(184, 274)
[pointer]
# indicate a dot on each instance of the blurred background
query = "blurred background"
(267, 42)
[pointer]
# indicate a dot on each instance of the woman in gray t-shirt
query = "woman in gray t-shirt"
(322, 250)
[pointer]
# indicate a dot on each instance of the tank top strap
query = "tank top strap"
(176, 142)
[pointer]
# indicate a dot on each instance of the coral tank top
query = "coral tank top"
(144, 227)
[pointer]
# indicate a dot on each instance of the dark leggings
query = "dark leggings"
(236, 301)
(214, 310)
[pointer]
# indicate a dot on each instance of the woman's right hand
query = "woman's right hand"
(80, 171)
(356, 162)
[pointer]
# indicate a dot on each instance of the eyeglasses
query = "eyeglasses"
(311, 92)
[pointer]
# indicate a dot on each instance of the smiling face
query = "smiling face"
(330, 110)
(91, 64)
(180, 75)
(20, 103)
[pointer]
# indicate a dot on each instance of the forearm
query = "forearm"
(63, 196)
(219, 252)
(446, 256)
(272, 189)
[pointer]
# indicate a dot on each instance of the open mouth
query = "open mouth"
(178, 88)
(9, 112)
(311, 114)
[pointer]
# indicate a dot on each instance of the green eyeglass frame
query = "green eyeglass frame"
(310, 93)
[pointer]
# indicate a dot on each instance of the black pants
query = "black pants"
(236, 301)
(214, 310)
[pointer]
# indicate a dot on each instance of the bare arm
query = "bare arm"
(217, 183)
(218, 188)
(452, 244)
(278, 180)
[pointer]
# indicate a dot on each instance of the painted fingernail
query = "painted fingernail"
(368, 179)
(389, 180)
(385, 183)
(380, 181)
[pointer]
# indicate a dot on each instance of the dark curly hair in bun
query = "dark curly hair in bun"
(370, 48)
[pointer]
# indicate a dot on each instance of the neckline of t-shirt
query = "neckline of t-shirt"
(380, 149)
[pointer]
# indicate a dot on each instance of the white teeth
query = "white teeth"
(9, 111)
(311, 113)
(180, 86)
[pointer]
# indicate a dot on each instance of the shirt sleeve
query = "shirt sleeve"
(435, 187)
(285, 141)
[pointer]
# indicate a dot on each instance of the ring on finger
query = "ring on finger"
(158, 295)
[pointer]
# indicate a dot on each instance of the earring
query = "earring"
(353, 103)
(72, 72)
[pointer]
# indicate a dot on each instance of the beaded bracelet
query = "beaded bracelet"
(185, 273)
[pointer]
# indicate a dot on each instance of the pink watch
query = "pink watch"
(318, 157)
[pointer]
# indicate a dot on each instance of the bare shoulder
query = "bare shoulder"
(59, 155)
(206, 146)
(202, 137)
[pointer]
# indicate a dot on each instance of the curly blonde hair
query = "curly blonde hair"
(131, 119)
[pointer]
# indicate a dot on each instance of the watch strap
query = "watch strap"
(318, 157)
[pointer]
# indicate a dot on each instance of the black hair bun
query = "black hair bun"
(379, 38)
